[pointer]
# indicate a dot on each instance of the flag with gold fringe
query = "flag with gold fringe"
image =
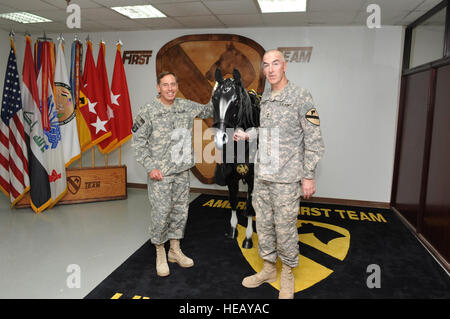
(56, 169)
(66, 110)
(14, 174)
(40, 195)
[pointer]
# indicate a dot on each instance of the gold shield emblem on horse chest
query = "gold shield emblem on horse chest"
(242, 169)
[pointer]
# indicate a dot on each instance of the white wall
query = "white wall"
(353, 75)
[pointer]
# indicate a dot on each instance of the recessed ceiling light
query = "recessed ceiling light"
(270, 6)
(140, 12)
(24, 17)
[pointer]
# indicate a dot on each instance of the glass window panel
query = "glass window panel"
(427, 41)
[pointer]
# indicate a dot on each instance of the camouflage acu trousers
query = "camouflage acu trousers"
(169, 203)
(276, 206)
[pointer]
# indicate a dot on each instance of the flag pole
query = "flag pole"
(80, 164)
(11, 40)
(44, 37)
(104, 52)
(120, 44)
(88, 39)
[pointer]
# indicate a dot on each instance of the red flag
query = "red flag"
(45, 51)
(108, 144)
(120, 101)
(92, 106)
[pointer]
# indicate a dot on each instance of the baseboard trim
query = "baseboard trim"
(320, 200)
(136, 185)
(428, 246)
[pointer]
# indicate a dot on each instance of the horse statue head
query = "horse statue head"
(234, 107)
(226, 106)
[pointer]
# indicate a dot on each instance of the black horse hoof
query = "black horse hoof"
(247, 243)
(232, 233)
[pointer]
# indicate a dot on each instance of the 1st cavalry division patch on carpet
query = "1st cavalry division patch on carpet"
(326, 238)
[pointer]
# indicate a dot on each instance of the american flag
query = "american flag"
(14, 177)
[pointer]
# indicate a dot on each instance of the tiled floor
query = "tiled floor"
(41, 253)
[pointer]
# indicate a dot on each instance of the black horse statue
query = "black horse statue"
(234, 108)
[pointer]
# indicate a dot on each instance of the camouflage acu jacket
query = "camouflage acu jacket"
(162, 135)
(289, 136)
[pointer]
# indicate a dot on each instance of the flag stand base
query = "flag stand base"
(91, 185)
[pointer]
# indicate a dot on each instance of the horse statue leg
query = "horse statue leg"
(248, 242)
(250, 212)
(233, 188)
(233, 232)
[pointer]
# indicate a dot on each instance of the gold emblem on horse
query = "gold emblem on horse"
(242, 169)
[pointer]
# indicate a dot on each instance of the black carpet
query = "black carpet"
(401, 267)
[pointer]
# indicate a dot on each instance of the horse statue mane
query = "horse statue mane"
(249, 111)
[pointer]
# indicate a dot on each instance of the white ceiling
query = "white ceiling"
(96, 15)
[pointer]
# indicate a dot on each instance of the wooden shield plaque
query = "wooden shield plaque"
(86, 185)
(194, 59)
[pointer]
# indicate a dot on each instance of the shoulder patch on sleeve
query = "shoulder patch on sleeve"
(138, 122)
(312, 116)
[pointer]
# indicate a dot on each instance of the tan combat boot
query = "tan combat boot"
(286, 283)
(162, 268)
(267, 274)
(176, 255)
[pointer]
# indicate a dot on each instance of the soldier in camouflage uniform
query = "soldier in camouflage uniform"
(163, 145)
(290, 145)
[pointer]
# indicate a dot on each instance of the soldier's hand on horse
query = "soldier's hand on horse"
(155, 175)
(308, 188)
(240, 135)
